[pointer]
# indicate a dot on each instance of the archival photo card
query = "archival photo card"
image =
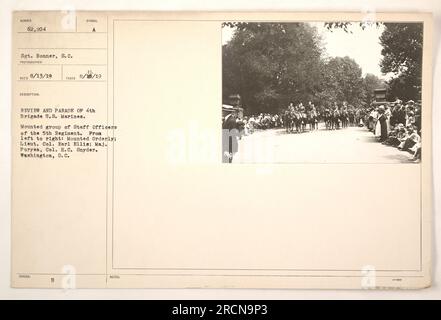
(221, 150)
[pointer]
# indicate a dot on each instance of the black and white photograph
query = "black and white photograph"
(321, 92)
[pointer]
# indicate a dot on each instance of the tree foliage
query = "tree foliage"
(370, 83)
(343, 80)
(402, 55)
(346, 25)
(271, 64)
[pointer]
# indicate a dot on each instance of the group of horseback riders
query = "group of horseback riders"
(299, 118)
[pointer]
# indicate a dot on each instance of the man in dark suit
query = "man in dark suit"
(231, 128)
(383, 124)
(401, 113)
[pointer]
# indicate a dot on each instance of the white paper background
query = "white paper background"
(310, 5)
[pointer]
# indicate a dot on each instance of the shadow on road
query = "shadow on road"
(372, 139)
(404, 157)
(283, 131)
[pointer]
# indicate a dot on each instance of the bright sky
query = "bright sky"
(361, 45)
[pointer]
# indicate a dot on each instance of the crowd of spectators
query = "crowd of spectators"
(397, 124)
(261, 121)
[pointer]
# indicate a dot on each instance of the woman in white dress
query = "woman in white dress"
(377, 126)
(388, 114)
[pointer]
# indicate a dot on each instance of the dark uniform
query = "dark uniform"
(230, 136)
(401, 115)
(383, 126)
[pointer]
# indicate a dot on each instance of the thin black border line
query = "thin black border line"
(266, 21)
(60, 64)
(57, 274)
(263, 275)
(421, 161)
(64, 32)
(107, 148)
(207, 275)
(61, 48)
(113, 144)
(241, 20)
(268, 269)
(31, 80)
(317, 163)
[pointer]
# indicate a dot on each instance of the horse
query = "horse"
(336, 119)
(287, 121)
(352, 121)
(303, 120)
(312, 120)
(327, 117)
(297, 119)
(344, 117)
